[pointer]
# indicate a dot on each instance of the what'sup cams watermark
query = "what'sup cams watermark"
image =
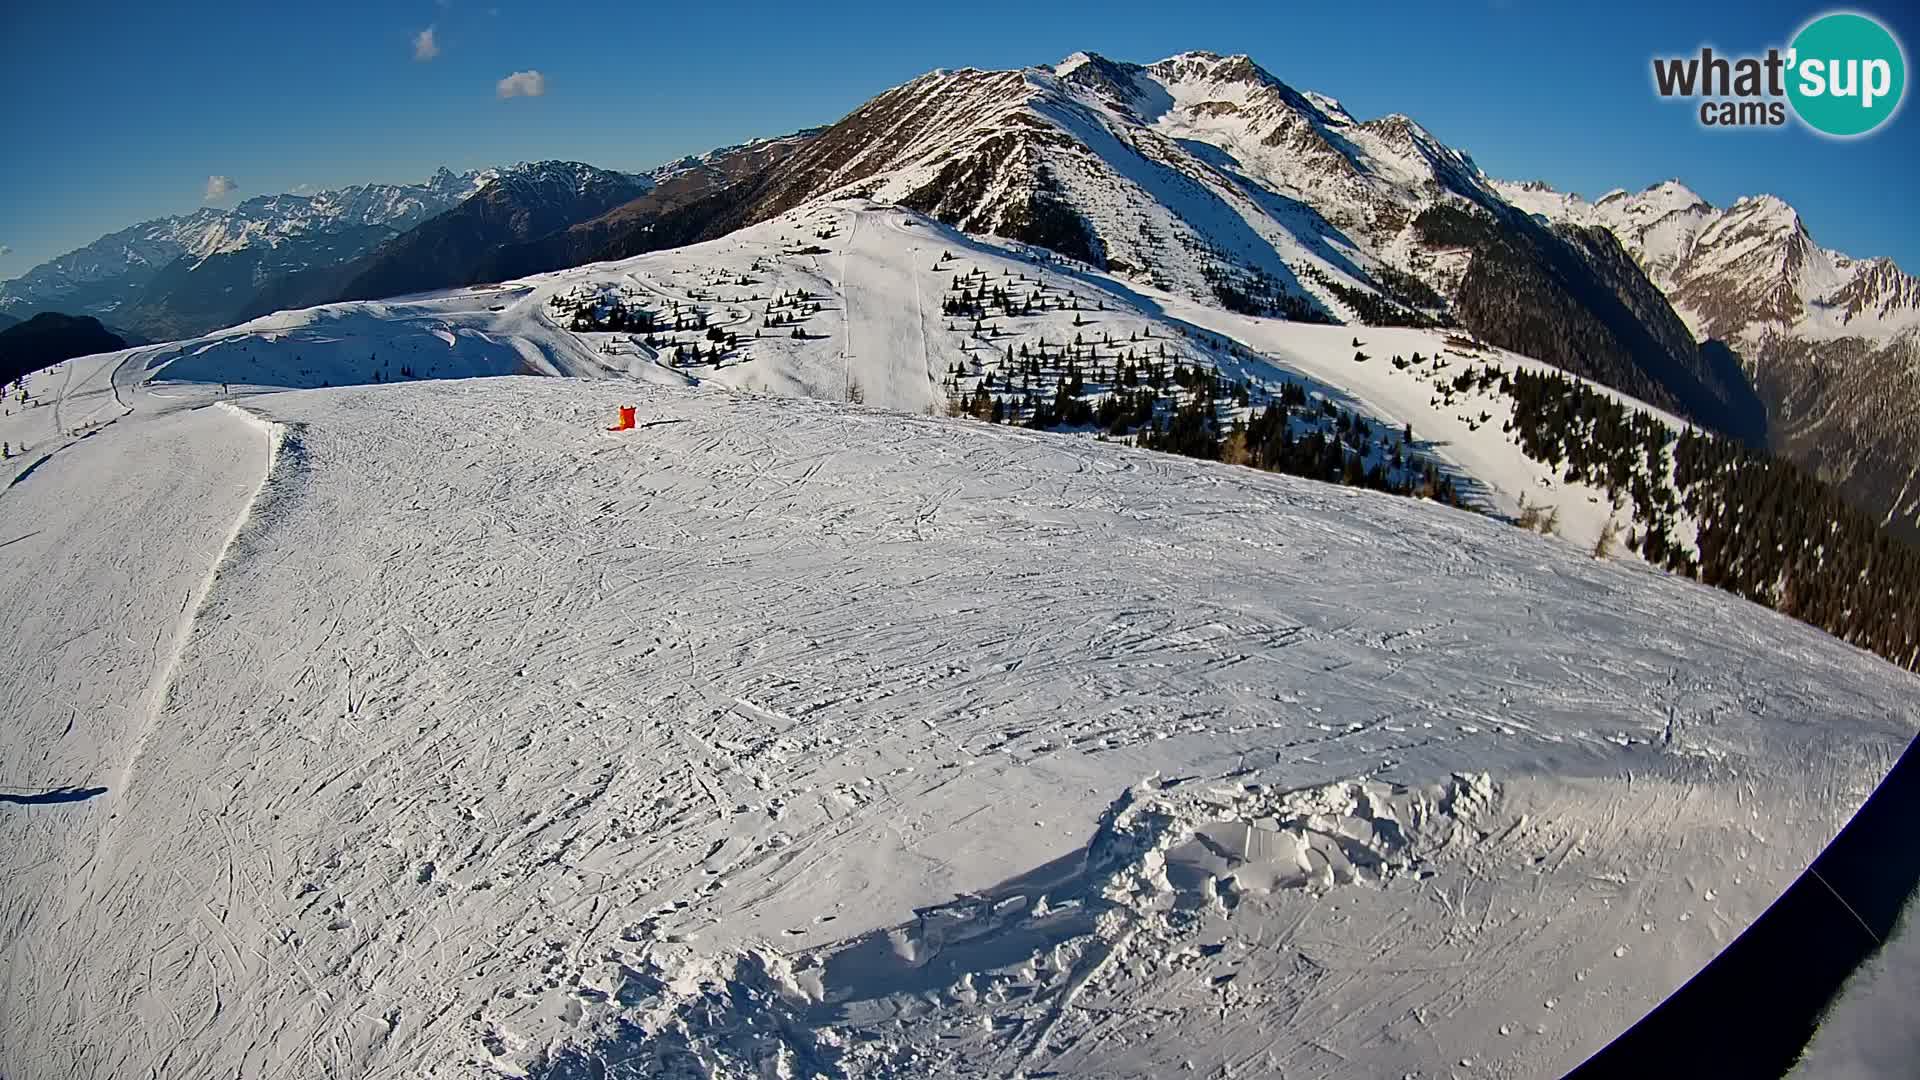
(1843, 75)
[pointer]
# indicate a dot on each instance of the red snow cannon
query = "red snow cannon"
(626, 419)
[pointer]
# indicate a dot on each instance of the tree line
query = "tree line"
(1765, 529)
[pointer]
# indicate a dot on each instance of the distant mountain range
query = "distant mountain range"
(1831, 343)
(511, 206)
(1202, 175)
(185, 275)
(190, 273)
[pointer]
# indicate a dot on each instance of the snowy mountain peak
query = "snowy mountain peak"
(1673, 192)
(1832, 341)
(451, 185)
(1401, 129)
(1330, 107)
(1615, 206)
(1878, 290)
(1770, 209)
(572, 176)
(1115, 83)
(1074, 63)
(1185, 172)
(1212, 67)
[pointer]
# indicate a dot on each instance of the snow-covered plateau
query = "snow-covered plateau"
(404, 723)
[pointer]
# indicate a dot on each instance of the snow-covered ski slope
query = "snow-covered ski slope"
(431, 730)
(874, 332)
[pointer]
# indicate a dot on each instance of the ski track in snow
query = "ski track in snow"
(803, 736)
(887, 356)
(119, 537)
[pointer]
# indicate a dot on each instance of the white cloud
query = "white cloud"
(424, 47)
(219, 187)
(5, 250)
(522, 84)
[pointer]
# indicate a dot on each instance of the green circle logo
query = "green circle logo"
(1848, 74)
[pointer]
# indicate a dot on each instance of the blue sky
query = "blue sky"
(117, 112)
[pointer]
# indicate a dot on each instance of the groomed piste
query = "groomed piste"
(429, 728)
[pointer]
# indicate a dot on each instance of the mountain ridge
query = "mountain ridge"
(1830, 342)
(105, 275)
(1209, 176)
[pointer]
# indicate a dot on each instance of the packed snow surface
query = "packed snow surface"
(430, 729)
